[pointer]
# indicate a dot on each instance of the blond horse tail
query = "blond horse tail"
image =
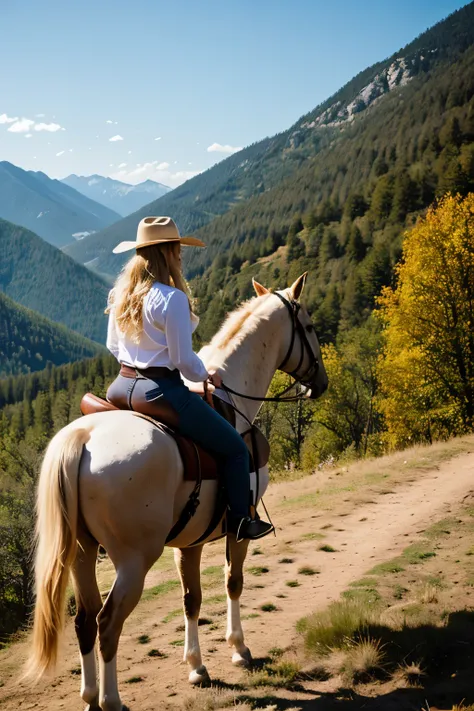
(57, 511)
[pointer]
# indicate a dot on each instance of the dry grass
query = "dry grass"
(429, 594)
(258, 570)
(280, 675)
(307, 570)
(213, 700)
(363, 660)
(409, 675)
(336, 627)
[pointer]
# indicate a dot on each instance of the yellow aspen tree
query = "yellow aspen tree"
(426, 371)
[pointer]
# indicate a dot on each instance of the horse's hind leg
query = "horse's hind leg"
(88, 604)
(188, 561)
(235, 557)
(122, 599)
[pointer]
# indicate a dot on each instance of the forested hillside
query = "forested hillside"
(343, 214)
(28, 341)
(288, 156)
(39, 276)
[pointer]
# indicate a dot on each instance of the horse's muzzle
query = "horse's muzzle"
(316, 390)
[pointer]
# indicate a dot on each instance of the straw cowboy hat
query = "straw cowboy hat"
(156, 230)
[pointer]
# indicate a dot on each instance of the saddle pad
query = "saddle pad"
(192, 454)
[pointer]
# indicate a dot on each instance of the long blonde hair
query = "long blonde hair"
(157, 262)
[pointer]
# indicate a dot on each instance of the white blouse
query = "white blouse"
(166, 337)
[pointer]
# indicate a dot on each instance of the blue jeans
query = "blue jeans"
(199, 422)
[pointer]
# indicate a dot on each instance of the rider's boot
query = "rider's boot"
(245, 527)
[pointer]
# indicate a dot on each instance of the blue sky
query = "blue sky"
(179, 83)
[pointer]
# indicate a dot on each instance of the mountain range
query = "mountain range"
(48, 207)
(40, 277)
(116, 195)
(29, 341)
(251, 174)
(332, 195)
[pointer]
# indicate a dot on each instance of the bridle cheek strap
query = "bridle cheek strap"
(293, 308)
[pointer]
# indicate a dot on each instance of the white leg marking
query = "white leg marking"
(192, 650)
(235, 634)
(89, 688)
(192, 654)
(109, 698)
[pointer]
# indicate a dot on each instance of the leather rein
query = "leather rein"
(293, 308)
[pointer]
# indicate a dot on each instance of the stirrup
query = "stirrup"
(250, 529)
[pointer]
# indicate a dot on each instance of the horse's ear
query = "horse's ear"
(259, 289)
(296, 289)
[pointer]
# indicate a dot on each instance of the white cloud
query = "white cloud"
(7, 119)
(21, 126)
(71, 150)
(59, 154)
(158, 139)
(50, 127)
(116, 138)
(28, 135)
(163, 166)
(109, 121)
(40, 115)
(219, 148)
(25, 125)
(122, 165)
(130, 153)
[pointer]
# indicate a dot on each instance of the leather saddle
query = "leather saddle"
(197, 462)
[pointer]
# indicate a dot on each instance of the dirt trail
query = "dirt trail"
(362, 534)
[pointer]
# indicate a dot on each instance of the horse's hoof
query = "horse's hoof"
(92, 707)
(242, 660)
(200, 677)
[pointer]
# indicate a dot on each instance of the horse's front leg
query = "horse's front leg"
(235, 557)
(188, 561)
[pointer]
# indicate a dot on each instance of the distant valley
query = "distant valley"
(51, 209)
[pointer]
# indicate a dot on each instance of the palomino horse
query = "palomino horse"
(116, 480)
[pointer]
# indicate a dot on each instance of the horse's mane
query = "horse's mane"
(238, 324)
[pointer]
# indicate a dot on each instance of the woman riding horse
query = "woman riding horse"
(150, 333)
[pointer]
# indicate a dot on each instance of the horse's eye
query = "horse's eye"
(310, 328)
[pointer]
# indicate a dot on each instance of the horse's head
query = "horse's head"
(301, 352)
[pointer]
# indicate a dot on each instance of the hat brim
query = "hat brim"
(184, 241)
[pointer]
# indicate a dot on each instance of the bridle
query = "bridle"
(293, 308)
